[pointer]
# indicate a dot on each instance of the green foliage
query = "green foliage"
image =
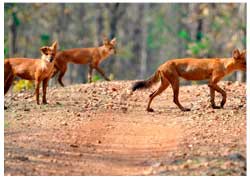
(6, 52)
(6, 48)
(244, 40)
(23, 85)
(194, 47)
(125, 52)
(45, 39)
(96, 78)
(16, 20)
(183, 34)
(199, 48)
(216, 26)
(6, 124)
(156, 32)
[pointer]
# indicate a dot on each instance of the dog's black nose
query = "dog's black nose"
(51, 59)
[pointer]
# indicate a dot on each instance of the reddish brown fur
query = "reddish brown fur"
(92, 56)
(39, 70)
(194, 69)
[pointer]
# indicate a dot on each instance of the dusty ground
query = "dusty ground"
(96, 129)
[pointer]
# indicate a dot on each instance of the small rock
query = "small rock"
(229, 83)
(58, 103)
(186, 166)
(124, 109)
(114, 89)
(53, 160)
(236, 157)
(26, 109)
(157, 164)
(74, 145)
(64, 123)
(22, 158)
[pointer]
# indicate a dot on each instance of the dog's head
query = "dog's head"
(110, 45)
(49, 52)
(240, 59)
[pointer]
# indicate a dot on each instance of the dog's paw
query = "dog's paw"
(216, 107)
(150, 110)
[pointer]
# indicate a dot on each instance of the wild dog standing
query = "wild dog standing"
(194, 69)
(92, 56)
(39, 70)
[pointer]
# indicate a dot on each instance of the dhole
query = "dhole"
(39, 70)
(213, 69)
(92, 56)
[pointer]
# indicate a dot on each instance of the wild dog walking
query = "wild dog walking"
(39, 70)
(213, 69)
(92, 56)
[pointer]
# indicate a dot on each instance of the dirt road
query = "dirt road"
(97, 129)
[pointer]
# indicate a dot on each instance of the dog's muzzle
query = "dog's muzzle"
(51, 59)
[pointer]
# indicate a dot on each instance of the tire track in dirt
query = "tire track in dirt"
(91, 130)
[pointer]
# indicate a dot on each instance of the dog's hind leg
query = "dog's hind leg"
(45, 85)
(174, 81)
(8, 82)
(163, 86)
(56, 70)
(37, 91)
(63, 69)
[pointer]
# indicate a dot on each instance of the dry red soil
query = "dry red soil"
(99, 129)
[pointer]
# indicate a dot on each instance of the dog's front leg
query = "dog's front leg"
(102, 73)
(213, 84)
(37, 91)
(212, 95)
(45, 85)
(222, 92)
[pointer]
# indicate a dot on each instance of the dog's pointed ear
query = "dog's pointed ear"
(44, 49)
(113, 41)
(105, 40)
(54, 45)
(243, 53)
(236, 53)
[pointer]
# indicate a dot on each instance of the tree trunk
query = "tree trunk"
(99, 26)
(240, 76)
(143, 55)
(12, 35)
(114, 15)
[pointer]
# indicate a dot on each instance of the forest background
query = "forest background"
(147, 34)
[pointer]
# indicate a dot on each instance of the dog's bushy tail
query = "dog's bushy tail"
(146, 83)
